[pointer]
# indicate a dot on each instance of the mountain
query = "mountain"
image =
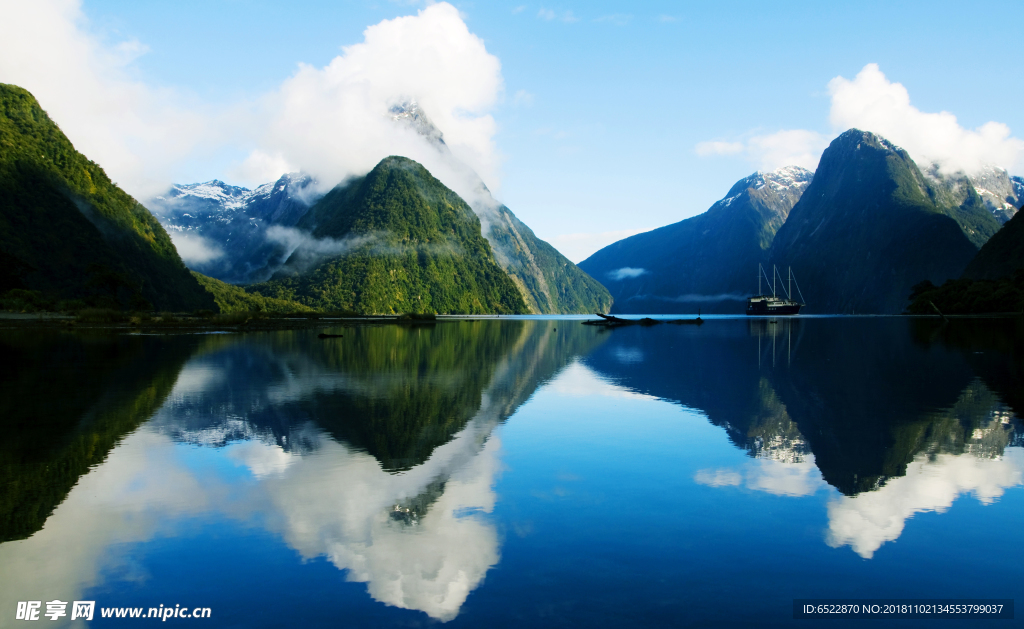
(871, 225)
(993, 281)
(69, 233)
(222, 231)
(233, 234)
(1002, 194)
(234, 299)
(396, 240)
(1002, 255)
(708, 261)
(548, 281)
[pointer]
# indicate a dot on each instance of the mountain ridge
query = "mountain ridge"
(871, 225)
(68, 232)
(399, 241)
(708, 261)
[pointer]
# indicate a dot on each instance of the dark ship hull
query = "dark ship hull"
(768, 305)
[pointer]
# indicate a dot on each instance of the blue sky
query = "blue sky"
(603, 115)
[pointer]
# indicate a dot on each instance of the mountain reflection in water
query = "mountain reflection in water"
(380, 451)
(901, 416)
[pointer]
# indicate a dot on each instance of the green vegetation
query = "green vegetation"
(69, 233)
(234, 299)
(965, 296)
(549, 282)
(409, 244)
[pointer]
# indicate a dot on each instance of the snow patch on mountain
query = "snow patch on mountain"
(220, 230)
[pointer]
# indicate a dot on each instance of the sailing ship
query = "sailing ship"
(775, 304)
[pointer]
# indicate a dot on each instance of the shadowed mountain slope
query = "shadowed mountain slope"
(708, 261)
(68, 232)
(871, 225)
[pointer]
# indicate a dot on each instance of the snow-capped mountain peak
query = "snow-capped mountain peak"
(408, 112)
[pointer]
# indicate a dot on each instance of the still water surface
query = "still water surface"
(514, 473)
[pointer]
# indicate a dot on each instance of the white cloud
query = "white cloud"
(331, 121)
(194, 249)
(718, 478)
(262, 459)
(866, 521)
(799, 478)
(522, 98)
(792, 147)
(781, 478)
(871, 102)
(138, 133)
(260, 166)
(625, 272)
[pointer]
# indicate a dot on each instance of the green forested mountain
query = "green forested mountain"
(549, 282)
(871, 225)
(231, 298)
(708, 261)
(68, 232)
(396, 240)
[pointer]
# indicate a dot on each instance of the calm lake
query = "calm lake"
(514, 473)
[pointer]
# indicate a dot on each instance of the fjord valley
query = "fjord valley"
(993, 282)
(396, 240)
(251, 236)
(397, 315)
(859, 234)
(868, 232)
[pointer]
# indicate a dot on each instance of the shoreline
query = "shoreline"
(204, 325)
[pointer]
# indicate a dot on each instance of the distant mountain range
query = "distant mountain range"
(67, 233)
(1002, 194)
(234, 234)
(858, 234)
(221, 230)
(708, 261)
